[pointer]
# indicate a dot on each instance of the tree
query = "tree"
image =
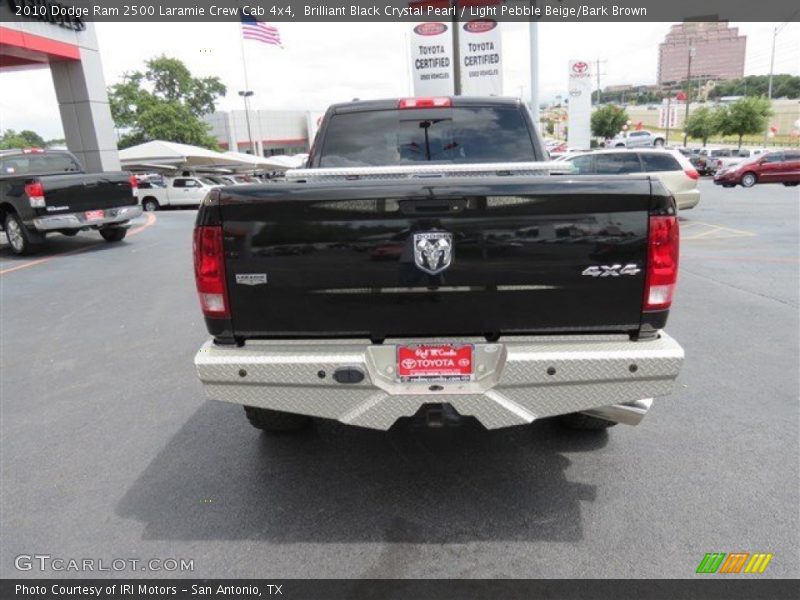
(702, 124)
(24, 139)
(746, 116)
(783, 86)
(608, 121)
(165, 102)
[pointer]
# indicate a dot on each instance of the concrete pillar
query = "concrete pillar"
(83, 104)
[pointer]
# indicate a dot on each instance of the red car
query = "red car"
(777, 166)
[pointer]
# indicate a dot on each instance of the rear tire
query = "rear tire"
(748, 180)
(658, 143)
(275, 421)
(790, 183)
(114, 234)
(21, 241)
(150, 205)
(581, 422)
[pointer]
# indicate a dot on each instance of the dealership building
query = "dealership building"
(68, 47)
(272, 131)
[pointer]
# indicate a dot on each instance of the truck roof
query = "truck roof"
(12, 151)
(391, 103)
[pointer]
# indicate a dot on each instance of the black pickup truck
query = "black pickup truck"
(47, 191)
(428, 263)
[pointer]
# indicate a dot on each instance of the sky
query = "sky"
(322, 63)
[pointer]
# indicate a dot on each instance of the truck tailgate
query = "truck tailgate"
(527, 256)
(76, 192)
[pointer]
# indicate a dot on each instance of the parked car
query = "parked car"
(671, 167)
(47, 191)
(706, 160)
(474, 256)
(775, 166)
(179, 191)
(737, 157)
(566, 152)
(636, 139)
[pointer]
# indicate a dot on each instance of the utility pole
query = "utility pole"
(688, 91)
(775, 33)
(597, 68)
(666, 134)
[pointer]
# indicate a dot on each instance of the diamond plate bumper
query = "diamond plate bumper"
(516, 381)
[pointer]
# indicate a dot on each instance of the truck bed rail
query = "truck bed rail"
(423, 171)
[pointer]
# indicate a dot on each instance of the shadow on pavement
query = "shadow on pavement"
(58, 244)
(220, 479)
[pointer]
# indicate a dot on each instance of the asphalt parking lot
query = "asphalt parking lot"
(109, 450)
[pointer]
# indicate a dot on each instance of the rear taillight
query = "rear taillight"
(662, 262)
(35, 193)
(692, 173)
(134, 184)
(209, 271)
(439, 102)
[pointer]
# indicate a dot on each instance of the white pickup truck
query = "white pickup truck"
(179, 191)
(723, 162)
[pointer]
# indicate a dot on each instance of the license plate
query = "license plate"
(434, 362)
(95, 215)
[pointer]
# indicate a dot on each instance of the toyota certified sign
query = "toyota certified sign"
(430, 28)
(432, 59)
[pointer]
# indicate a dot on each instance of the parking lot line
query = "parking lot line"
(150, 219)
(711, 231)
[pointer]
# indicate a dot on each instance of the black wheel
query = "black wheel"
(790, 183)
(748, 179)
(274, 421)
(70, 232)
(21, 240)
(150, 205)
(658, 143)
(113, 234)
(584, 422)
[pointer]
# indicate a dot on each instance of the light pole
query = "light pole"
(245, 94)
(533, 49)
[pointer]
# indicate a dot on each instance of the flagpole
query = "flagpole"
(246, 93)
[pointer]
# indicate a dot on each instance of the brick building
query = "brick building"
(718, 52)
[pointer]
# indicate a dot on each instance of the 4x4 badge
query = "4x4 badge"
(611, 270)
(433, 251)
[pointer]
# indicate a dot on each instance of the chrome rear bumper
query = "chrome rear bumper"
(516, 381)
(77, 220)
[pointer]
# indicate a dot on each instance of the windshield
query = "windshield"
(392, 137)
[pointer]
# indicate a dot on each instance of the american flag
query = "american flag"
(253, 29)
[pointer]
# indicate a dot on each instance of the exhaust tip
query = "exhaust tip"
(630, 413)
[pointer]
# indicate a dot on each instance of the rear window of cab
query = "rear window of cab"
(622, 163)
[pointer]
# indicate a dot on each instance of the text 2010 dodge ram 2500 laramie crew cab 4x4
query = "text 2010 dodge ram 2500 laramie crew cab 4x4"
(428, 261)
(47, 191)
